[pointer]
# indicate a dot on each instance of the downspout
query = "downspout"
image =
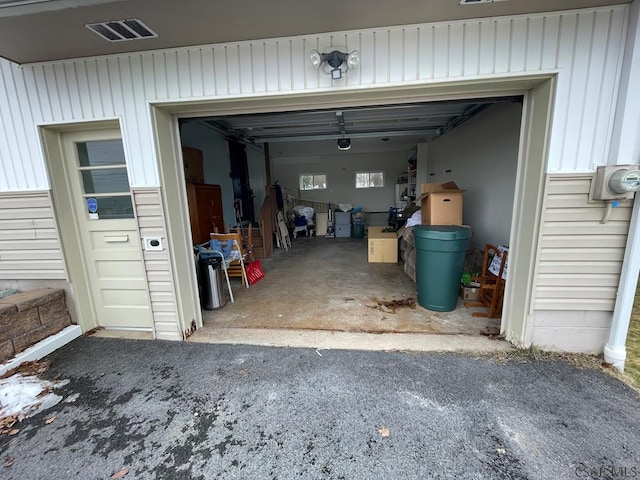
(626, 150)
(615, 352)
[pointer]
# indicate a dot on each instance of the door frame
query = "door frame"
(538, 92)
(66, 216)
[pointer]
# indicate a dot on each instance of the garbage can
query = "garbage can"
(440, 252)
(210, 280)
(358, 229)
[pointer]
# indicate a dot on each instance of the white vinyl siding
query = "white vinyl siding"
(584, 47)
(151, 223)
(578, 267)
(571, 331)
(580, 259)
(29, 243)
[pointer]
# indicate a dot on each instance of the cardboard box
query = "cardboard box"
(469, 294)
(382, 246)
(193, 165)
(441, 204)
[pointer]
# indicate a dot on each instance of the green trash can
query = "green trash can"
(358, 230)
(440, 252)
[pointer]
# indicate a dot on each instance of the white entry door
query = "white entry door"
(107, 228)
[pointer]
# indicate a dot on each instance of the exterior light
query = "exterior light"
(335, 62)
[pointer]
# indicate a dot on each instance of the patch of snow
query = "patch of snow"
(19, 395)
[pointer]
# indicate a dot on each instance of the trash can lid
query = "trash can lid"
(442, 232)
(209, 259)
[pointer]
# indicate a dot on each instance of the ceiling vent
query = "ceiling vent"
(472, 2)
(121, 30)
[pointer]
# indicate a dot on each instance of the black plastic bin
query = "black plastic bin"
(210, 281)
(440, 252)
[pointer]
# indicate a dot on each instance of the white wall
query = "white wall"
(341, 168)
(482, 155)
(584, 48)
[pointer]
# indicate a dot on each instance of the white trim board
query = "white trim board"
(43, 348)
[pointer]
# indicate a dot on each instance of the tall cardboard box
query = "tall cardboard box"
(382, 246)
(441, 204)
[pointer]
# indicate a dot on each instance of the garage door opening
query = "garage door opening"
(245, 167)
(538, 97)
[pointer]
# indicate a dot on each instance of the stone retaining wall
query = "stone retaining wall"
(28, 317)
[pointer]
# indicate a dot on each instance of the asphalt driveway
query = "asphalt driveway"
(152, 409)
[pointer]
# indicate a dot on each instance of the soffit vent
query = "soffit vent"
(122, 30)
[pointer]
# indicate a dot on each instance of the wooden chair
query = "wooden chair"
(491, 290)
(247, 242)
(234, 266)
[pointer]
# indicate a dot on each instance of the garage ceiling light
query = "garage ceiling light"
(122, 30)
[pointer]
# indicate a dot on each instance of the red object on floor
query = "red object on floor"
(254, 272)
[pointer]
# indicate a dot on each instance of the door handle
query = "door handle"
(118, 239)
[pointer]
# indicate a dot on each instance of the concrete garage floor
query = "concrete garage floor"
(327, 284)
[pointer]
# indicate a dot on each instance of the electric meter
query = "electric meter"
(612, 182)
(623, 181)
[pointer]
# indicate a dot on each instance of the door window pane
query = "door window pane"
(100, 153)
(114, 207)
(111, 180)
(103, 173)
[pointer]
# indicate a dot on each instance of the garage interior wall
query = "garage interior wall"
(215, 152)
(340, 169)
(482, 155)
(215, 149)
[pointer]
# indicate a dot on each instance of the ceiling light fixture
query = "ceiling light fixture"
(335, 62)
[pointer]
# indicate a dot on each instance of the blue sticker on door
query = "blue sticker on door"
(92, 205)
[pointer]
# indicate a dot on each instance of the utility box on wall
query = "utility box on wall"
(612, 182)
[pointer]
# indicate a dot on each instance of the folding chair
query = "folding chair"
(235, 259)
